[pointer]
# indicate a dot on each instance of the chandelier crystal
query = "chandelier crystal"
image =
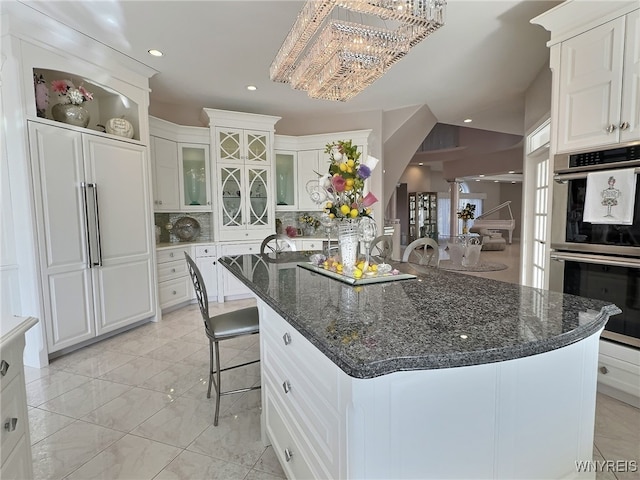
(335, 60)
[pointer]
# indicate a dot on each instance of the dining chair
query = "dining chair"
(224, 326)
(382, 247)
(423, 251)
(277, 243)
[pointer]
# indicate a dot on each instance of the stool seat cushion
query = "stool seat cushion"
(231, 324)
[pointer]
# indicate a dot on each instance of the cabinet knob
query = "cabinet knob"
(288, 454)
(611, 128)
(160, 202)
(624, 125)
(604, 370)
(287, 338)
(175, 293)
(10, 425)
(4, 366)
(286, 386)
(173, 270)
(171, 254)
(206, 250)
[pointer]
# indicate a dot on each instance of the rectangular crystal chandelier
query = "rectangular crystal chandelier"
(335, 59)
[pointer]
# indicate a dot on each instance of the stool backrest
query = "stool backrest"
(200, 289)
(277, 243)
(423, 251)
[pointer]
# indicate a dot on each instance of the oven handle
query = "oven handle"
(565, 177)
(596, 259)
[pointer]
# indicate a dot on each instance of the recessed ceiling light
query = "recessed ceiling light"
(512, 171)
(477, 179)
(155, 53)
(481, 176)
(252, 88)
(496, 181)
(513, 182)
(421, 164)
(467, 120)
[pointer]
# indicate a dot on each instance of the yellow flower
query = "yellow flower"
(350, 163)
(344, 209)
(349, 181)
(354, 212)
(331, 215)
(329, 205)
(348, 188)
(357, 273)
(343, 167)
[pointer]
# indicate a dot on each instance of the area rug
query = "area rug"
(480, 267)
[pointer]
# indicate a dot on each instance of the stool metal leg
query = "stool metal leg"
(218, 385)
(210, 368)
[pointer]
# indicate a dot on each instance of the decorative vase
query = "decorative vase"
(348, 240)
(465, 227)
(71, 114)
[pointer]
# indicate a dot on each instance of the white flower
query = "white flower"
(74, 96)
(370, 162)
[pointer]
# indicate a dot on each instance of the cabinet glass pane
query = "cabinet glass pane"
(194, 175)
(284, 178)
(257, 147)
(229, 145)
(230, 184)
(258, 188)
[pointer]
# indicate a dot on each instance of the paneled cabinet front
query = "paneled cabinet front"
(236, 145)
(94, 233)
(598, 82)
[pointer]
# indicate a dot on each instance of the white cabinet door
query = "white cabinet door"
(590, 87)
(230, 145)
(193, 161)
(631, 81)
(120, 173)
(257, 148)
(166, 191)
(67, 285)
(258, 197)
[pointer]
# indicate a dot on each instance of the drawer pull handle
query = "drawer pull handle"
(286, 386)
(288, 454)
(10, 425)
(611, 128)
(624, 125)
(4, 366)
(173, 270)
(604, 370)
(286, 338)
(171, 254)
(206, 250)
(175, 293)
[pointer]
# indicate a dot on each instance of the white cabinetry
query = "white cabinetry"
(243, 153)
(619, 372)
(181, 167)
(174, 283)
(229, 287)
(596, 74)
(166, 181)
(94, 231)
(206, 260)
(15, 444)
(310, 163)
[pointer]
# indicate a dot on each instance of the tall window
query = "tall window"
(444, 205)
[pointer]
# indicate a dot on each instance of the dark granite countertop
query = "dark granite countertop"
(439, 320)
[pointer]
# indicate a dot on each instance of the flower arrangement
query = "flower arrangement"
(345, 181)
(310, 221)
(68, 93)
(468, 212)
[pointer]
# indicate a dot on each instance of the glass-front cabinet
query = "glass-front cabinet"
(245, 192)
(285, 180)
(242, 146)
(194, 176)
(423, 215)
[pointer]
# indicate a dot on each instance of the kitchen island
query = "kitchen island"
(442, 376)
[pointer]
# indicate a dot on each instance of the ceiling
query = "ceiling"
(477, 66)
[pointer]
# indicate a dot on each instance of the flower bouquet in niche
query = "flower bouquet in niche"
(466, 214)
(70, 99)
(341, 192)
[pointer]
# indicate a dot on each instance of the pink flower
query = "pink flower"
(87, 95)
(338, 183)
(369, 200)
(59, 86)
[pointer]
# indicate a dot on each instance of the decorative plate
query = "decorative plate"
(186, 229)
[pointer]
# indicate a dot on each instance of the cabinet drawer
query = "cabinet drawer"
(205, 251)
(12, 407)
(619, 374)
(171, 254)
(175, 291)
(241, 249)
(311, 245)
(288, 449)
(172, 270)
(18, 464)
(12, 355)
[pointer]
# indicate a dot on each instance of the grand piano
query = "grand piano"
(482, 223)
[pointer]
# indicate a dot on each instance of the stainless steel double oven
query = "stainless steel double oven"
(594, 260)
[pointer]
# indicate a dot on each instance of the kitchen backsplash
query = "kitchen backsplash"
(163, 219)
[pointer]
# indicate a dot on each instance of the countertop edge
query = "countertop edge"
(434, 362)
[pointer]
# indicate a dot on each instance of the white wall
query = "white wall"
(537, 99)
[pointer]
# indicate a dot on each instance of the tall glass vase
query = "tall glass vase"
(348, 240)
(465, 226)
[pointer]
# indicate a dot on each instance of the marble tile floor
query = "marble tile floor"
(135, 407)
